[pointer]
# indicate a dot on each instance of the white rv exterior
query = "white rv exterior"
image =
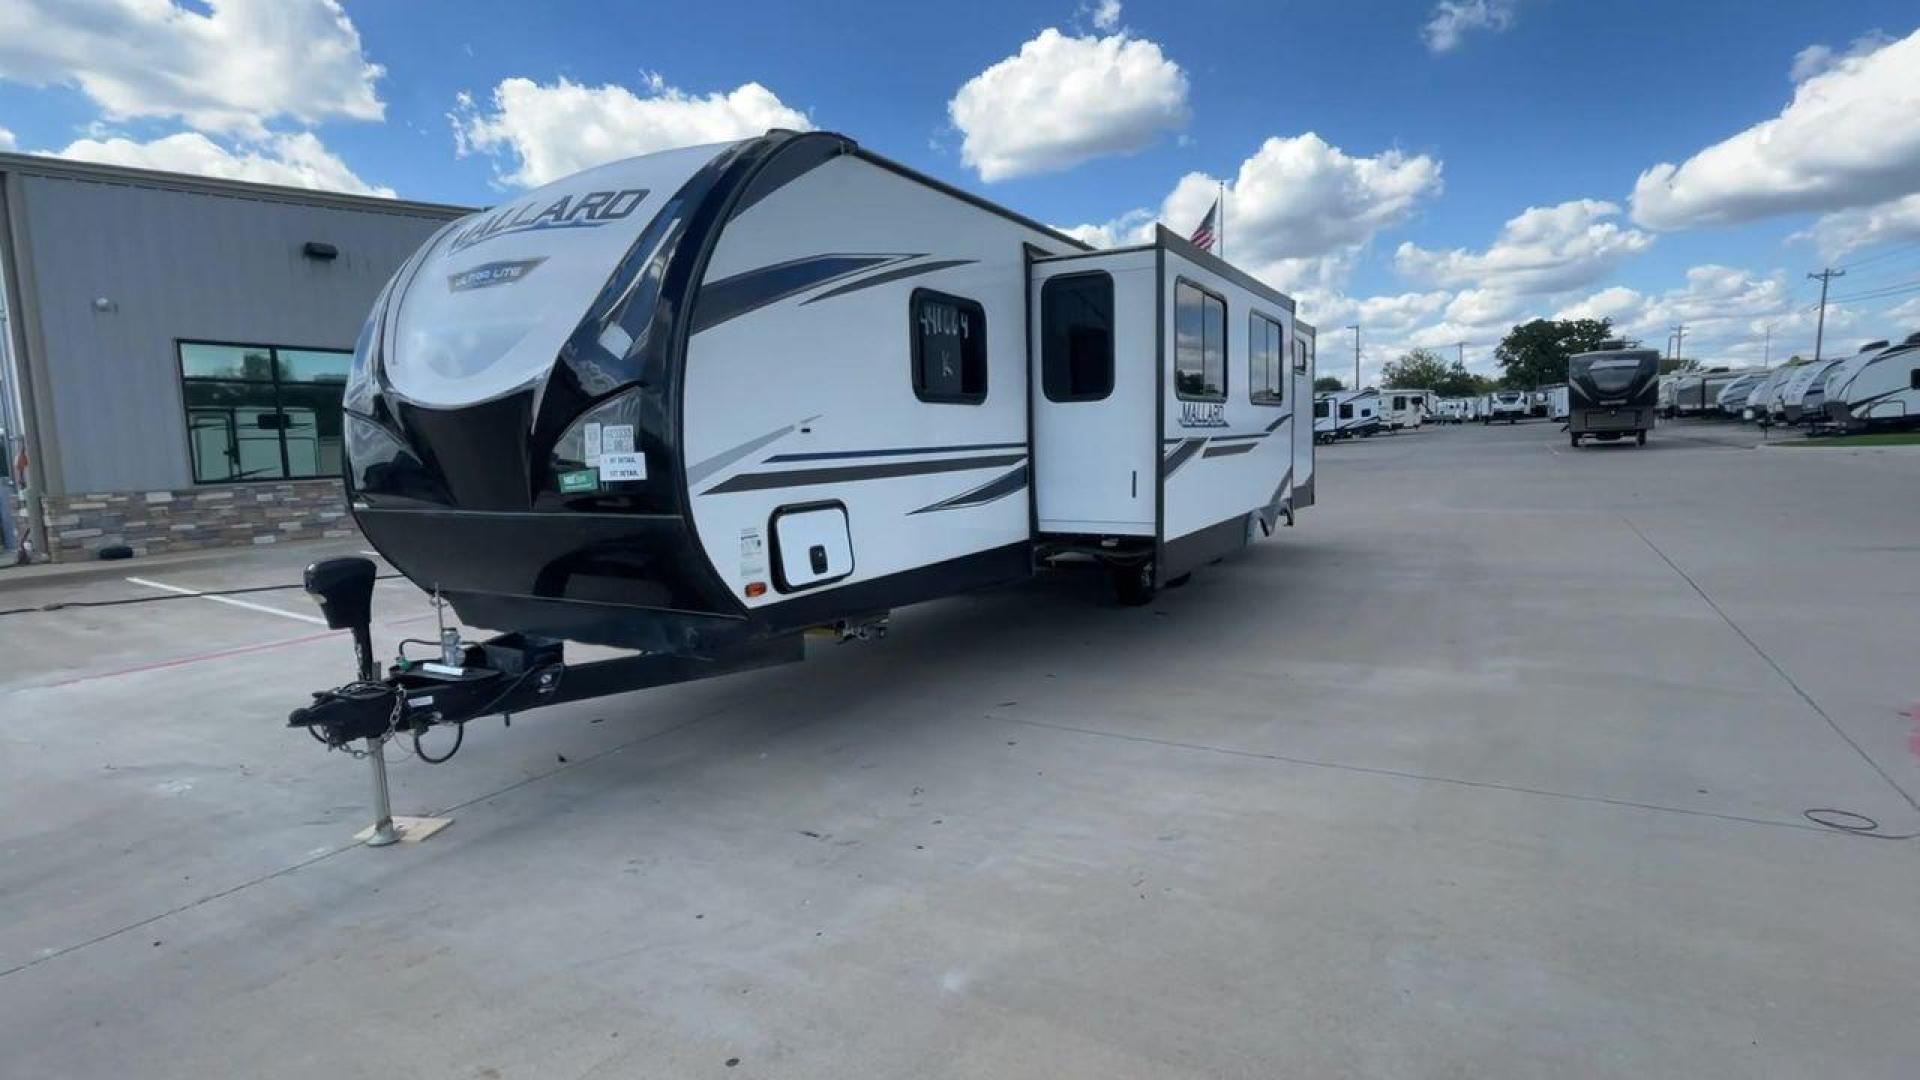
(1795, 390)
(1356, 413)
(1733, 396)
(1324, 424)
(1557, 401)
(1404, 409)
(1883, 392)
(727, 393)
(1508, 405)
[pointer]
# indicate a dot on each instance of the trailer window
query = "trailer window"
(1319, 410)
(1913, 379)
(1346, 410)
(1200, 344)
(1266, 361)
(1076, 343)
(949, 348)
(260, 412)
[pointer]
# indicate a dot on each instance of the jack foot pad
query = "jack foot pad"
(412, 830)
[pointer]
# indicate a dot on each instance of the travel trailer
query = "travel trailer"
(1508, 405)
(1556, 401)
(1324, 424)
(1356, 413)
(1699, 392)
(1613, 393)
(1401, 409)
(1733, 396)
(1809, 380)
(699, 402)
(1756, 408)
(1881, 393)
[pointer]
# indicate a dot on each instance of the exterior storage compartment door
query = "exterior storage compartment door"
(812, 545)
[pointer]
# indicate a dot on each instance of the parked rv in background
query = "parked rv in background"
(1508, 405)
(1556, 401)
(1404, 408)
(1882, 393)
(1356, 413)
(1733, 396)
(1323, 419)
(1613, 392)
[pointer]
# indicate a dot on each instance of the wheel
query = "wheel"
(1574, 439)
(1640, 438)
(1511, 421)
(1133, 585)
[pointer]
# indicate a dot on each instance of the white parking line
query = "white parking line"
(228, 600)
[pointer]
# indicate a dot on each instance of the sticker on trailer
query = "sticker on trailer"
(753, 555)
(590, 435)
(572, 483)
(617, 439)
(624, 466)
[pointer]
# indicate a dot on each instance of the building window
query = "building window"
(1200, 344)
(949, 348)
(260, 412)
(1266, 361)
(1076, 342)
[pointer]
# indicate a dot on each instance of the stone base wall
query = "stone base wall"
(230, 515)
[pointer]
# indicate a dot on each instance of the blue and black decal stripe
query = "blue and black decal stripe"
(998, 488)
(732, 297)
(887, 277)
(1172, 462)
(1229, 448)
(761, 481)
(902, 451)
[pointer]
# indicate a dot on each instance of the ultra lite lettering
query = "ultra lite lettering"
(584, 211)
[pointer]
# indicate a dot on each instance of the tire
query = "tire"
(1133, 585)
(1511, 421)
(1575, 440)
(1640, 438)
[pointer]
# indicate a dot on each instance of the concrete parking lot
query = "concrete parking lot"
(1496, 766)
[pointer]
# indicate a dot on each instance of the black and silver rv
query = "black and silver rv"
(1612, 393)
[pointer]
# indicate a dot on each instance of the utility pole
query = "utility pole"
(1679, 340)
(1356, 354)
(1461, 352)
(1820, 330)
(1766, 360)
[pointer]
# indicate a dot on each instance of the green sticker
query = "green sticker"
(580, 480)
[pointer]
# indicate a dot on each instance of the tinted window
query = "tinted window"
(1913, 378)
(949, 348)
(1266, 361)
(1076, 343)
(257, 412)
(1200, 344)
(1346, 410)
(1319, 410)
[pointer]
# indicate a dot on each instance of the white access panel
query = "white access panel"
(812, 546)
(1095, 461)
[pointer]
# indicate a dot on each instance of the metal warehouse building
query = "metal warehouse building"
(175, 349)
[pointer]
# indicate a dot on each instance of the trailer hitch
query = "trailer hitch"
(502, 675)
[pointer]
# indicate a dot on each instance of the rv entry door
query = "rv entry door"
(1095, 421)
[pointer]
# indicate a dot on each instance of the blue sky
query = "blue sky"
(1375, 151)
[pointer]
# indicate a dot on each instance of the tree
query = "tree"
(1326, 384)
(1535, 354)
(1419, 369)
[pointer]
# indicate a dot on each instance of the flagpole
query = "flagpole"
(1223, 219)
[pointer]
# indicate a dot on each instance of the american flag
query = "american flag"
(1204, 236)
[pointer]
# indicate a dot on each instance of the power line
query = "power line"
(1871, 259)
(1881, 291)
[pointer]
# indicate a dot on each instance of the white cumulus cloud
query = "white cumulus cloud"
(1106, 15)
(1064, 100)
(6, 139)
(225, 66)
(555, 129)
(1849, 138)
(1846, 231)
(1818, 59)
(1544, 249)
(1299, 209)
(1451, 21)
(296, 160)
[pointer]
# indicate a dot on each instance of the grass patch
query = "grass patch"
(1884, 438)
